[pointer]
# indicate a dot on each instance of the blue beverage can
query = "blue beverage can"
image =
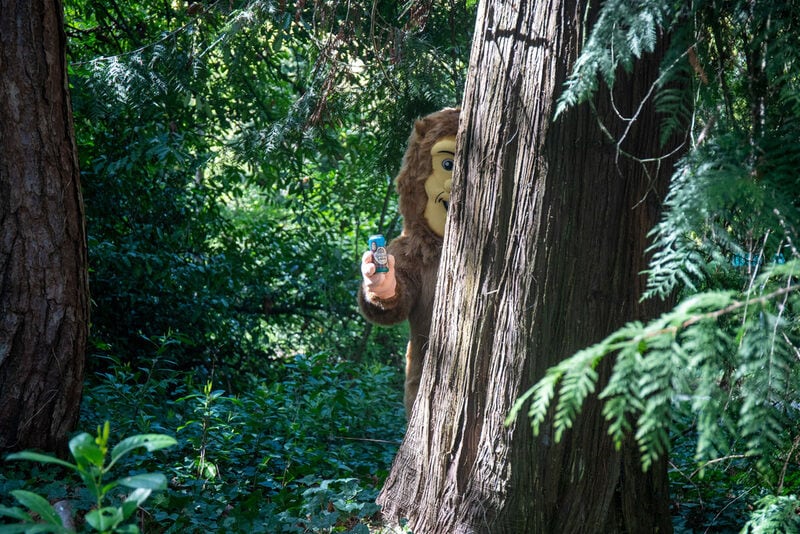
(377, 244)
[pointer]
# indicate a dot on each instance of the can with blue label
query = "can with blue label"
(377, 244)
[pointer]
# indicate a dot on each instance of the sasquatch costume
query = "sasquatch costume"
(423, 185)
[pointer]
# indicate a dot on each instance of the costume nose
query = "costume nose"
(448, 184)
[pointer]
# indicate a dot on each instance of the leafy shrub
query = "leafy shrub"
(303, 450)
(90, 456)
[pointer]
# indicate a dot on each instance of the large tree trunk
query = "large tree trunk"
(44, 300)
(544, 247)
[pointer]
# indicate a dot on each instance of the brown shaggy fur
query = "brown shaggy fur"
(417, 251)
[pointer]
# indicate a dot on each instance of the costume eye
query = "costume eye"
(447, 165)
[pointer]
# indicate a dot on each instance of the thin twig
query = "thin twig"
(377, 52)
(688, 479)
(739, 304)
(742, 494)
(795, 445)
(716, 461)
(710, 315)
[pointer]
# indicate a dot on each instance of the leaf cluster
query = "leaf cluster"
(90, 454)
(304, 450)
(622, 33)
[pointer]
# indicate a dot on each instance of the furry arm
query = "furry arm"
(394, 309)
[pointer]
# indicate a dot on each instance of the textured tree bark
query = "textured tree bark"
(545, 241)
(44, 296)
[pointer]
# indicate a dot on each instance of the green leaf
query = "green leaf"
(14, 529)
(151, 481)
(105, 518)
(36, 528)
(126, 529)
(103, 433)
(16, 513)
(41, 458)
(577, 384)
(134, 500)
(32, 528)
(151, 442)
(515, 409)
(544, 391)
(39, 505)
(127, 509)
(85, 450)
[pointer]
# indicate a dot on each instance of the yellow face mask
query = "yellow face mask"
(438, 184)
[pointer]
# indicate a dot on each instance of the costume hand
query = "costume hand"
(382, 285)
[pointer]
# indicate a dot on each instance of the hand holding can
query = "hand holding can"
(377, 245)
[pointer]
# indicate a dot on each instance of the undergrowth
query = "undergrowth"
(304, 449)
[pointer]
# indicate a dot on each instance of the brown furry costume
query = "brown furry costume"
(417, 250)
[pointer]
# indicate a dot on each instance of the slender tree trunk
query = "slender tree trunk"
(544, 247)
(44, 298)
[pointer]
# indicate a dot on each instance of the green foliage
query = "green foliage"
(775, 515)
(735, 191)
(623, 32)
(671, 358)
(303, 450)
(307, 445)
(235, 155)
(324, 506)
(717, 497)
(728, 366)
(92, 464)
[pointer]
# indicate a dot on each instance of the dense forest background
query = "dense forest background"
(235, 155)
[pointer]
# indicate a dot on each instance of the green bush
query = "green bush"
(304, 450)
(92, 464)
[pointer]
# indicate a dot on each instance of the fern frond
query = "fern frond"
(576, 385)
(622, 399)
(711, 360)
(578, 379)
(774, 514)
(705, 215)
(623, 32)
(676, 104)
(542, 393)
(764, 371)
(656, 386)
